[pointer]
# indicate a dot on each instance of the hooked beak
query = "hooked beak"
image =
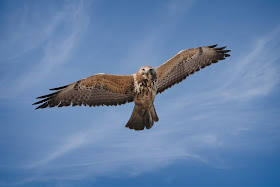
(147, 72)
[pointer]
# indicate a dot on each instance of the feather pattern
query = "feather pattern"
(100, 89)
(187, 62)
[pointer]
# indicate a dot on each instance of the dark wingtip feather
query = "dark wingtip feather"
(45, 105)
(44, 96)
(44, 100)
(59, 88)
(212, 46)
(221, 48)
(224, 51)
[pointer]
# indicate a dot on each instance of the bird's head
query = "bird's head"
(147, 72)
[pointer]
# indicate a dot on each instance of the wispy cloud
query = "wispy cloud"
(57, 48)
(94, 154)
(71, 143)
(107, 149)
(256, 74)
(26, 34)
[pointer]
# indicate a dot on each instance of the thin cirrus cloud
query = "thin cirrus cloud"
(27, 34)
(56, 48)
(257, 73)
(136, 153)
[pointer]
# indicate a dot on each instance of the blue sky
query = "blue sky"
(218, 127)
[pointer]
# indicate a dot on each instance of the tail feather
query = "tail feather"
(140, 120)
(154, 113)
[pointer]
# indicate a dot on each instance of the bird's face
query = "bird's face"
(147, 72)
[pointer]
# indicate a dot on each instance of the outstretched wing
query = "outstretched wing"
(187, 62)
(100, 89)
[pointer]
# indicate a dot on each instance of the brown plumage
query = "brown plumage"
(141, 87)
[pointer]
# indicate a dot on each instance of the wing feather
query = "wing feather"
(100, 89)
(187, 62)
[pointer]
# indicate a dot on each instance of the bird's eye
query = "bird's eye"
(143, 69)
(151, 69)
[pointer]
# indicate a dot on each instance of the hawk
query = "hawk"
(140, 87)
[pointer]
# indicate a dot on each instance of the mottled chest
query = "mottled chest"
(145, 88)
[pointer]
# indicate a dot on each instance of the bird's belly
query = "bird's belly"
(145, 97)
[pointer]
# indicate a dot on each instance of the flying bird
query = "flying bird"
(140, 87)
